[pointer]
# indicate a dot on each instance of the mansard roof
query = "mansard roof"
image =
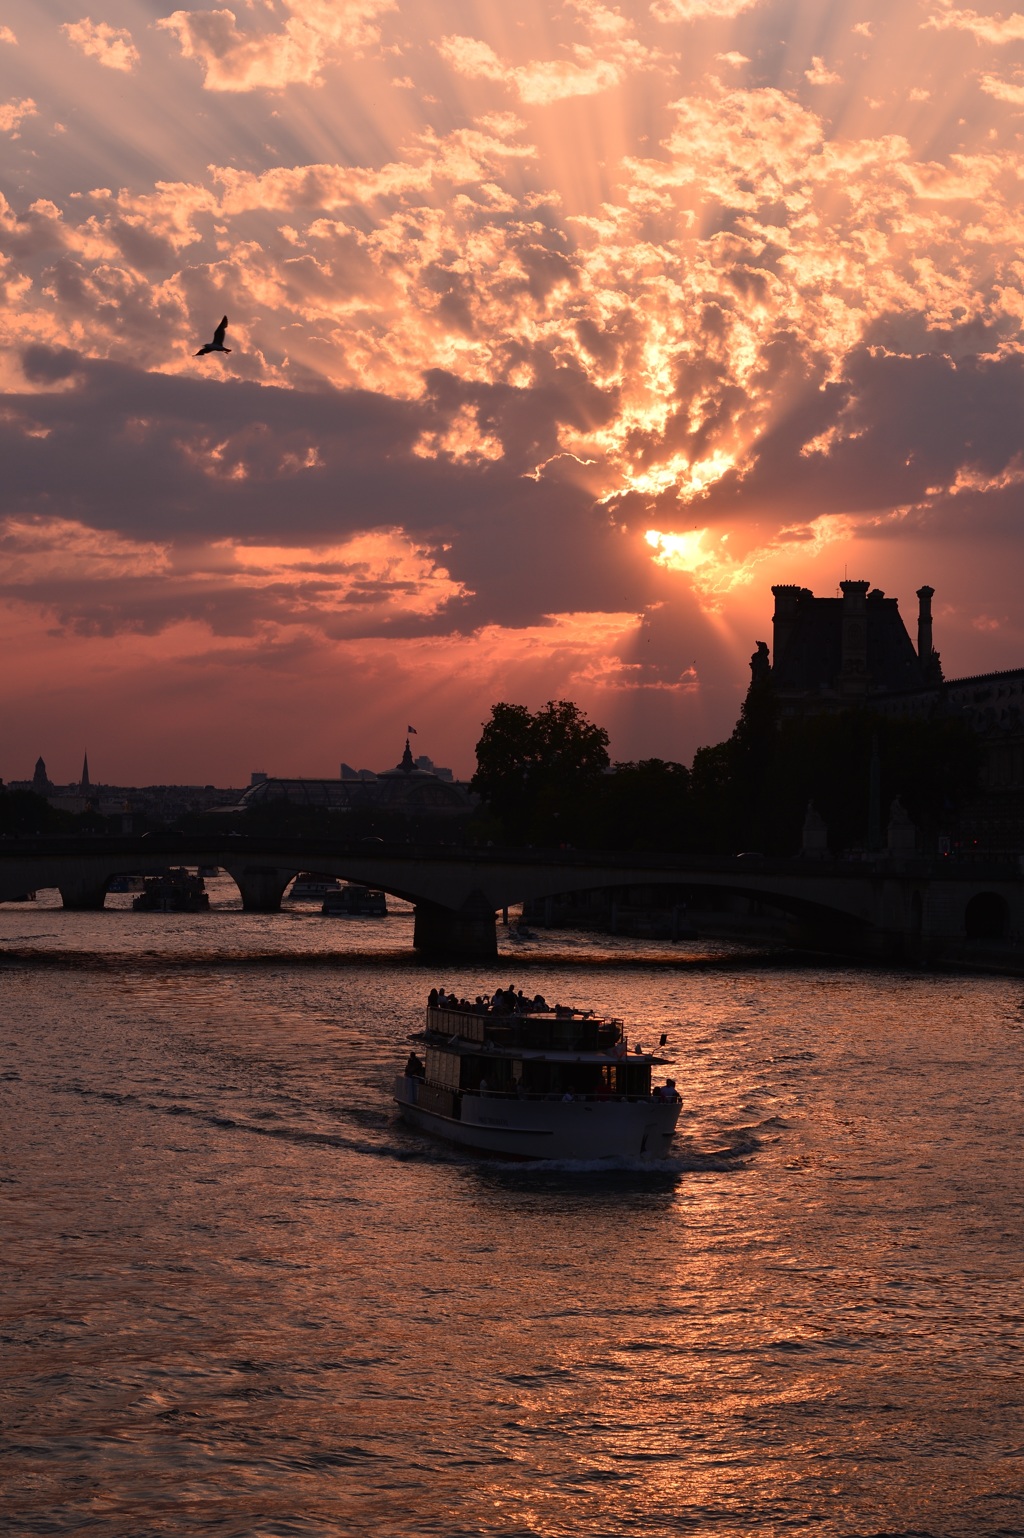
(808, 652)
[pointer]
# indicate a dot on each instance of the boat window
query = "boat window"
(443, 1068)
(495, 1071)
(635, 1079)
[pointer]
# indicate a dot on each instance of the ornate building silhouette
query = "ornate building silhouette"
(854, 652)
(833, 653)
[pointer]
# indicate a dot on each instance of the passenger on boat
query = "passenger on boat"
(568, 1093)
(668, 1091)
(432, 999)
(414, 1067)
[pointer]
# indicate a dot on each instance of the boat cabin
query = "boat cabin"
(548, 1055)
(355, 901)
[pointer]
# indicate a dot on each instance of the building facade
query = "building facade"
(855, 652)
(407, 790)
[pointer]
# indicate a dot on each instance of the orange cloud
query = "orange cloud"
(237, 59)
(820, 74)
(13, 114)
(704, 556)
(1002, 90)
(98, 582)
(540, 82)
(110, 46)
(50, 549)
(700, 10)
(987, 29)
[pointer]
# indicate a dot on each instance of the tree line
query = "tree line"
(546, 778)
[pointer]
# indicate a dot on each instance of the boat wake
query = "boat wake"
(400, 1151)
(394, 1145)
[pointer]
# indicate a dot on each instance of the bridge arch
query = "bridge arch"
(987, 917)
(916, 913)
(815, 913)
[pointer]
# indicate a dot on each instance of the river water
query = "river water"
(240, 1298)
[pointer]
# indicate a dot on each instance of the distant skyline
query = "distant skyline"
(559, 333)
(85, 778)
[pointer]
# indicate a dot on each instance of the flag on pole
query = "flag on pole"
(412, 730)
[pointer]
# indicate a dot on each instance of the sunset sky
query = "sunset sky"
(560, 332)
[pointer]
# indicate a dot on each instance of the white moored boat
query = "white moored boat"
(310, 884)
(543, 1085)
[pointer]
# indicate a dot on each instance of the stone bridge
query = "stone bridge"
(899, 908)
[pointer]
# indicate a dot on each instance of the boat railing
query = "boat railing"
(553, 1095)
(533, 1031)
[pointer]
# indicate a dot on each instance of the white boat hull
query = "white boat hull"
(535, 1128)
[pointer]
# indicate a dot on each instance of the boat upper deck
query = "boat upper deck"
(550, 1033)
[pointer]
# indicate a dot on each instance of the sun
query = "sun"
(681, 552)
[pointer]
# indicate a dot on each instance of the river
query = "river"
(240, 1298)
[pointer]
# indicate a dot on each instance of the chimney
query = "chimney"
(786, 596)
(853, 674)
(925, 646)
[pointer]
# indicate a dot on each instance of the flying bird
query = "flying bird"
(217, 345)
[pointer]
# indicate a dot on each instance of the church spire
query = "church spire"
(84, 785)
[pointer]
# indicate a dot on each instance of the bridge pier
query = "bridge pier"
(261, 886)
(467, 933)
(83, 894)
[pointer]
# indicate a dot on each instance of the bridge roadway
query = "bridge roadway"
(913, 909)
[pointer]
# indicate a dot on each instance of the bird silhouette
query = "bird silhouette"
(217, 345)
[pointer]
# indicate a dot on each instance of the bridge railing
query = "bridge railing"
(302, 852)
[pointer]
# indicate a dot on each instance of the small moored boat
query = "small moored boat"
(355, 902)
(310, 884)
(178, 891)
(552, 1084)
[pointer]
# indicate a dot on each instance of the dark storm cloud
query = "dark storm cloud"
(162, 459)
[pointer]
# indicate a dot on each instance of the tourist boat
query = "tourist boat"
(178, 891)
(549, 1085)
(355, 902)
(309, 884)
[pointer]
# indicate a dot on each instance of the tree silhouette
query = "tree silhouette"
(538, 771)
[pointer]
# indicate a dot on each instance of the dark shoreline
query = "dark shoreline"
(768, 960)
